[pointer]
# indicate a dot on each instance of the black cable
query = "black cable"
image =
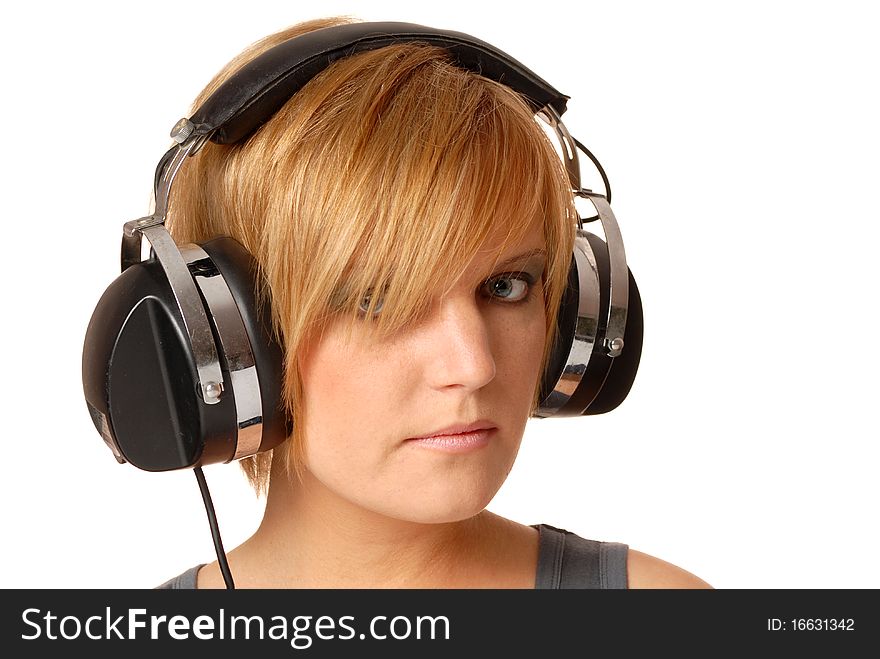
(599, 167)
(215, 530)
(605, 182)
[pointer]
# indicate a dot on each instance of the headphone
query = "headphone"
(180, 367)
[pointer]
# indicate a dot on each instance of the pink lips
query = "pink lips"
(458, 439)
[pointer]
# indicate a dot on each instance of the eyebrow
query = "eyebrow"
(520, 257)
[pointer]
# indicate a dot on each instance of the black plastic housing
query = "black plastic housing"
(140, 379)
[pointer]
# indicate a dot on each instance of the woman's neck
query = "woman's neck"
(311, 538)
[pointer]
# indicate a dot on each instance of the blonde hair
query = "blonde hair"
(389, 169)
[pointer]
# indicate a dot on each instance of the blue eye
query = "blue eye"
(509, 288)
(364, 305)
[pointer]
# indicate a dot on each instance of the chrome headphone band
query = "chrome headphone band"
(586, 329)
(618, 285)
(185, 294)
(619, 280)
(236, 346)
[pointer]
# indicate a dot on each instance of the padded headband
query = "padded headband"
(255, 92)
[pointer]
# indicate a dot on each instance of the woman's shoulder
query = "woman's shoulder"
(646, 571)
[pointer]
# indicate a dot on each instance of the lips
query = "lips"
(459, 429)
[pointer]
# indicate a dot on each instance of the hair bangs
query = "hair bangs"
(471, 171)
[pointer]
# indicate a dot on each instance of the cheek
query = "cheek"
(344, 400)
(519, 371)
(519, 344)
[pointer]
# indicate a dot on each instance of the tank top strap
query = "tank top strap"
(566, 560)
(184, 581)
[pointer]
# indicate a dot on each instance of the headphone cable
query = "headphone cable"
(602, 173)
(598, 165)
(215, 530)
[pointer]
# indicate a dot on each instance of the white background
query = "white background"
(742, 145)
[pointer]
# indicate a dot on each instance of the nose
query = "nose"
(459, 342)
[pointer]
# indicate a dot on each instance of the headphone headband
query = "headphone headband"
(255, 92)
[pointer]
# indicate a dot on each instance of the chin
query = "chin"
(440, 510)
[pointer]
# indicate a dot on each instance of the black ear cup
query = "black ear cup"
(140, 378)
(141, 382)
(580, 377)
(622, 371)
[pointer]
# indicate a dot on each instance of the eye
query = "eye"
(509, 288)
(366, 300)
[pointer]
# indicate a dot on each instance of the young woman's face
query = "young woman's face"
(476, 358)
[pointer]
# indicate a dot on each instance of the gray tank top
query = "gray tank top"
(565, 560)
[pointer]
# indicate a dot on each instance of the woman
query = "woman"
(415, 229)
